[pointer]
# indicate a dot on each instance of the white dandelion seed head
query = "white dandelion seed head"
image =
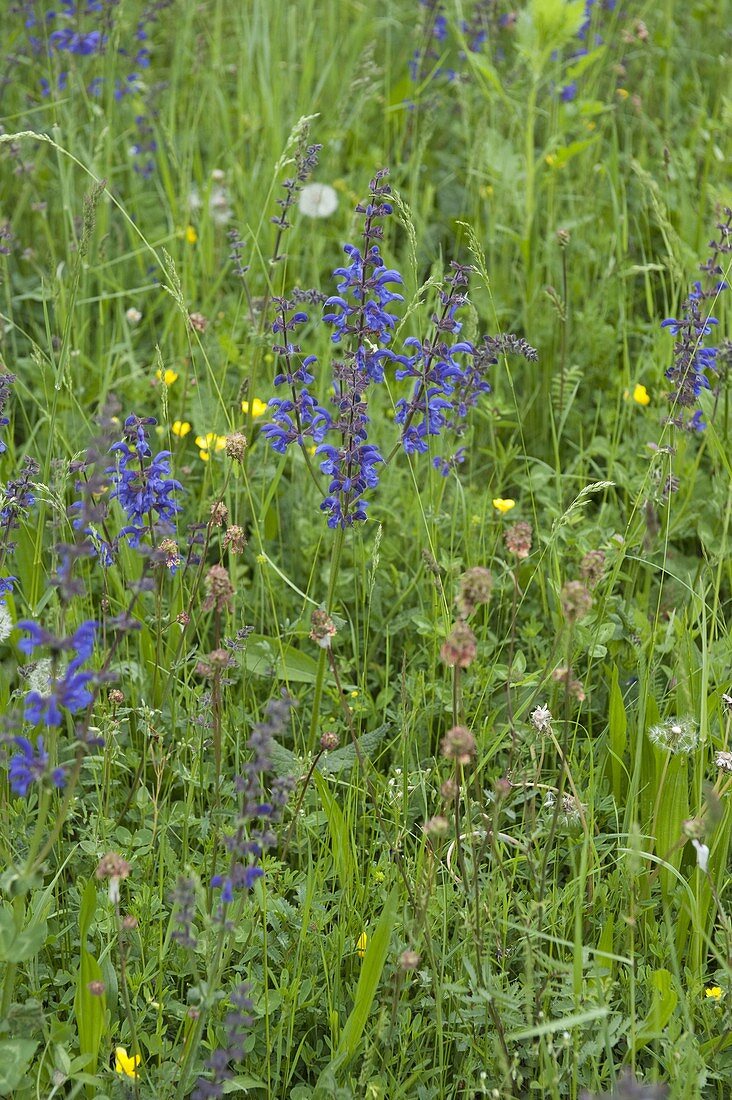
(318, 200)
(39, 677)
(6, 623)
(676, 735)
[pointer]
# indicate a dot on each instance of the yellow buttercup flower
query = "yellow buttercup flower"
(714, 993)
(125, 1064)
(259, 408)
(191, 235)
(641, 395)
(168, 376)
(180, 428)
(361, 945)
(503, 505)
(208, 443)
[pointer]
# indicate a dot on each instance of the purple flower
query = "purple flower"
(142, 483)
(693, 363)
(30, 765)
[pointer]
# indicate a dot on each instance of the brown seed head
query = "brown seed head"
(460, 646)
(518, 539)
(476, 585)
(219, 513)
(219, 590)
(236, 446)
(234, 539)
(458, 744)
(576, 601)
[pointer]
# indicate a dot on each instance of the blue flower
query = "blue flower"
(141, 483)
(69, 688)
(30, 765)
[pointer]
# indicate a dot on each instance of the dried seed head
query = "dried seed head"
(236, 446)
(460, 646)
(576, 601)
(575, 687)
(436, 826)
(198, 322)
(458, 744)
(219, 513)
(450, 789)
(476, 585)
(214, 664)
(169, 554)
(112, 865)
(219, 590)
(592, 567)
(323, 628)
(409, 960)
(234, 539)
(518, 539)
(329, 741)
(116, 697)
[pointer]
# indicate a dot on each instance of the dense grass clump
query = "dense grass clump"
(365, 577)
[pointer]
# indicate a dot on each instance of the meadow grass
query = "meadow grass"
(434, 804)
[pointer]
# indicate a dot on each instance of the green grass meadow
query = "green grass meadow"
(435, 804)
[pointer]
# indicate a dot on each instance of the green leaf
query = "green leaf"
(90, 1009)
(265, 657)
(15, 1058)
(618, 728)
(342, 759)
(341, 838)
(663, 1003)
(371, 971)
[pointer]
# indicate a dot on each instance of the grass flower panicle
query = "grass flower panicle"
(6, 382)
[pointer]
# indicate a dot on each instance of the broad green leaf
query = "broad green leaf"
(15, 1058)
(89, 1009)
(371, 971)
(618, 729)
(663, 1003)
(341, 838)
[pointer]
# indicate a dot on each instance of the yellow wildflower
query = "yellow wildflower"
(168, 376)
(361, 945)
(714, 993)
(191, 235)
(125, 1064)
(180, 428)
(208, 443)
(259, 408)
(622, 93)
(641, 395)
(502, 505)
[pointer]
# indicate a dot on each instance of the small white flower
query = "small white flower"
(318, 200)
(133, 317)
(702, 855)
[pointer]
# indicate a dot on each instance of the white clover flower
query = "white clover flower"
(6, 623)
(541, 719)
(676, 735)
(133, 317)
(318, 200)
(723, 760)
